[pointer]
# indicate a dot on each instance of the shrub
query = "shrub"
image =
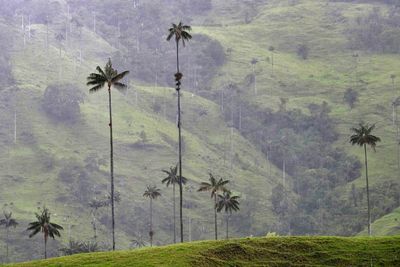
(62, 102)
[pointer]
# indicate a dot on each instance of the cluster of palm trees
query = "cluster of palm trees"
(223, 199)
(42, 224)
(112, 79)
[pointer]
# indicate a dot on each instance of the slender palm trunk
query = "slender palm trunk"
(45, 246)
(173, 193)
(227, 226)
(272, 63)
(366, 179)
(215, 217)
(180, 147)
(7, 241)
(151, 222)
(111, 170)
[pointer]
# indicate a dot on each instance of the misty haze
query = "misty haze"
(269, 130)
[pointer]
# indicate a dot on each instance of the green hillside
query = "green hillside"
(272, 251)
(324, 76)
(64, 165)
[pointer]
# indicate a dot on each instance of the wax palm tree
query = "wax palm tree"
(43, 224)
(181, 34)
(228, 203)
(138, 242)
(362, 136)
(110, 78)
(173, 179)
(8, 221)
(152, 192)
(60, 37)
(215, 186)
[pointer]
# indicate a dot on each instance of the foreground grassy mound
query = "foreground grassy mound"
(273, 251)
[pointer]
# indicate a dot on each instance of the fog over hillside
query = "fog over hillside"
(270, 95)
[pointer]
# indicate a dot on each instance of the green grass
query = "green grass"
(271, 251)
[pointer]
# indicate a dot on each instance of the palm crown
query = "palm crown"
(181, 32)
(214, 185)
(362, 136)
(173, 177)
(8, 220)
(44, 225)
(152, 192)
(109, 76)
(228, 202)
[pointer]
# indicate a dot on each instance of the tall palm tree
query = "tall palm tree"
(229, 203)
(215, 186)
(173, 179)
(111, 78)
(152, 192)
(43, 224)
(8, 221)
(181, 34)
(362, 136)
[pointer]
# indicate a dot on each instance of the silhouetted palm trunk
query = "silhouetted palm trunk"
(111, 170)
(366, 178)
(151, 223)
(173, 192)
(45, 246)
(180, 147)
(7, 241)
(227, 226)
(215, 217)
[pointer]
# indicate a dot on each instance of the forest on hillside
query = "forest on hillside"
(266, 105)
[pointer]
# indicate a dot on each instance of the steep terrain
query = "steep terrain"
(64, 165)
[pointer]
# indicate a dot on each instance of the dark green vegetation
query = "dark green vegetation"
(270, 251)
(264, 105)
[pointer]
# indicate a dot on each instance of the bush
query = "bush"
(350, 97)
(302, 51)
(62, 102)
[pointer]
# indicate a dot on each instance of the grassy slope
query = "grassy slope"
(328, 72)
(207, 147)
(273, 251)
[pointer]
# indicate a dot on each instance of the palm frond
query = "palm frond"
(96, 88)
(121, 87)
(35, 231)
(119, 76)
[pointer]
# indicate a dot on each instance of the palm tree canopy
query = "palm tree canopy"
(362, 135)
(152, 192)
(228, 202)
(181, 32)
(109, 76)
(60, 37)
(396, 102)
(8, 221)
(43, 224)
(173, 177)
(214, 186)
